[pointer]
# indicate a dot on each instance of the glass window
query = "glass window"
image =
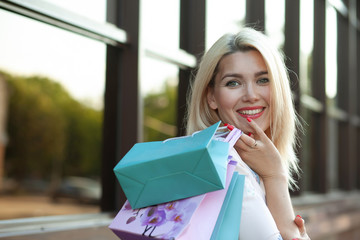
(306, 169)
(159, 24)
(306, 49)
(306, 44)
(222, 17)
(55, 85)
(94, 10)
(159, 82)
(159, 33)
(331, 93)
(274, 23)
(331, 53)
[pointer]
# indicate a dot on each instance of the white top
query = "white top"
(257, 222)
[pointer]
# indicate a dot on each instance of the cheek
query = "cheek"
(226, 99)
(266, 95)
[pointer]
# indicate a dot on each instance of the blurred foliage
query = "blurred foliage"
(50, 132)
(160, 106)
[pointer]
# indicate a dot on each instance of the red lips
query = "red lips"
(251, 112)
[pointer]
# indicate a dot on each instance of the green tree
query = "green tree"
(50, 133)
(160, 114)
(36, 130)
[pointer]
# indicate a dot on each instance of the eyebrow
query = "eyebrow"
(260, 73)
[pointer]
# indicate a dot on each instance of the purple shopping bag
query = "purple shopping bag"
(205, 218)
(172, 220)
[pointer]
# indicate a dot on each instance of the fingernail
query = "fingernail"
(248, 119)
(249, 134)
(230, 127)
(298, 216)
(295, 239)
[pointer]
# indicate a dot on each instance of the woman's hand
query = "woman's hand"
(300, 223)
(259, 152)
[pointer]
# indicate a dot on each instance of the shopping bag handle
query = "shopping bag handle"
(174, 138)
(231, 135)
(213, 132)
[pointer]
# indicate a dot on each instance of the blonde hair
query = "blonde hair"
(283, 119)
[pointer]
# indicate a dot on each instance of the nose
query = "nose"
(250, 94)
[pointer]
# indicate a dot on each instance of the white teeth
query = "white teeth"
(250, 112)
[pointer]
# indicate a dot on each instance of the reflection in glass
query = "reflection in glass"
(55, 85)
(159, 29)
(159, 82)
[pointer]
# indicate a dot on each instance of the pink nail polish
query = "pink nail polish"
(248, 119)
(249, 134)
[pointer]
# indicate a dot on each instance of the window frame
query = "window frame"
(122, 125)
(116, 40)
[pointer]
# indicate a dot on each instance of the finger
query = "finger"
(257, 130)
(251, 135)
(302, 238)
(300, 223)
(249, 141)
(243, 143)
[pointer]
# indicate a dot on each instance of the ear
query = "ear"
(211, 98)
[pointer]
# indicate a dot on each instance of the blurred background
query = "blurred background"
(82, 81)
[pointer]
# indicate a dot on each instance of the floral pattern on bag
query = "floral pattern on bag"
(172, 216)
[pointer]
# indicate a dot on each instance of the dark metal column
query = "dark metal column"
(342, 96)
(292, 50)
(255, 14)
(292, 43)
(192, 40)
(121, 113)
(353, 99)
(319, 119)
(347, 96)
(358, 104)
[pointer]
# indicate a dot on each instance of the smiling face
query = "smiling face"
(241, 90)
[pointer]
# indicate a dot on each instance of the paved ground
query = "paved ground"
(12, 207)
(36, 206)
(102, 233)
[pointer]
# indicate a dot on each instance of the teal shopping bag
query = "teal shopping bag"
(157, 172)
(228, 223)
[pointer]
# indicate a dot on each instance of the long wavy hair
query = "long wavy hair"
(283, 118)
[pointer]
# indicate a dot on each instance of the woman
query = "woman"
(242, 81)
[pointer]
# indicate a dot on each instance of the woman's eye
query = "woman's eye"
(263, 81)
(232, 84)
